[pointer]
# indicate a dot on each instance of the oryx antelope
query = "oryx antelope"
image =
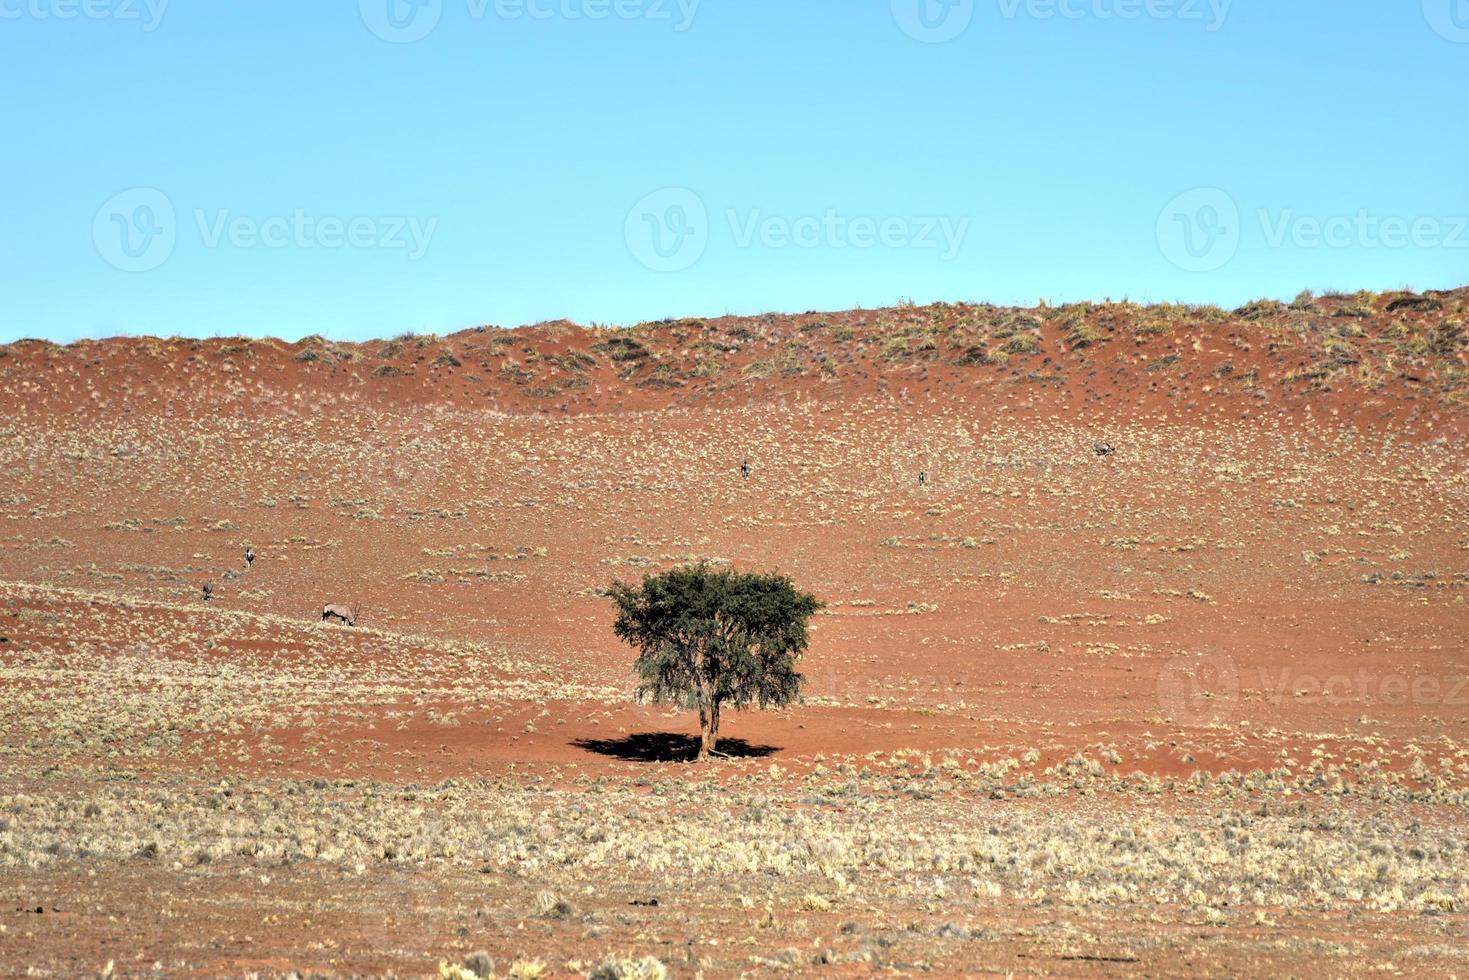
(339, 614)
(1104, 449)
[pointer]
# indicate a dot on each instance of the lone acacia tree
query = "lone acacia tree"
(708, 638)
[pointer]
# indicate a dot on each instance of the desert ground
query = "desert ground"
(1195, 708)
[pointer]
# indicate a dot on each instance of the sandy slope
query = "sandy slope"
(1239, 639)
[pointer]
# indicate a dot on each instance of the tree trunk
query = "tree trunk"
(706, 742)
(708, 731)
(711, 733)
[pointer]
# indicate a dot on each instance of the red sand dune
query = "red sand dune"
(1257, 602)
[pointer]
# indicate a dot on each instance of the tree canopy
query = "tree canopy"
(707, 639)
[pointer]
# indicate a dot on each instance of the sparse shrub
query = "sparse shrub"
(1259, 309)
(1413, 304)
(973, 354)
(1305, 302)
(708, 369)
(317, 348)
(622, 349)
(1023, 343)
(527, 970)
(1079, 333)
(1084, 335)
(548, 906)
(480, 965)
(646, 968)
(759, 369)
(1363, 306)
(895, 348)
(1447, 338)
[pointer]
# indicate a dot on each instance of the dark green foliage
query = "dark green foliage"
(707, 639)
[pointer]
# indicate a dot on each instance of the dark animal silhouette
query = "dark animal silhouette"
(1104, 449)
(340, 614)
(249, 558)
(208, 592)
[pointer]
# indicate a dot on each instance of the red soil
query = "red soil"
(1286, 508)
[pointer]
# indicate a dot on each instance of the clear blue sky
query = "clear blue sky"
(286, 167)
